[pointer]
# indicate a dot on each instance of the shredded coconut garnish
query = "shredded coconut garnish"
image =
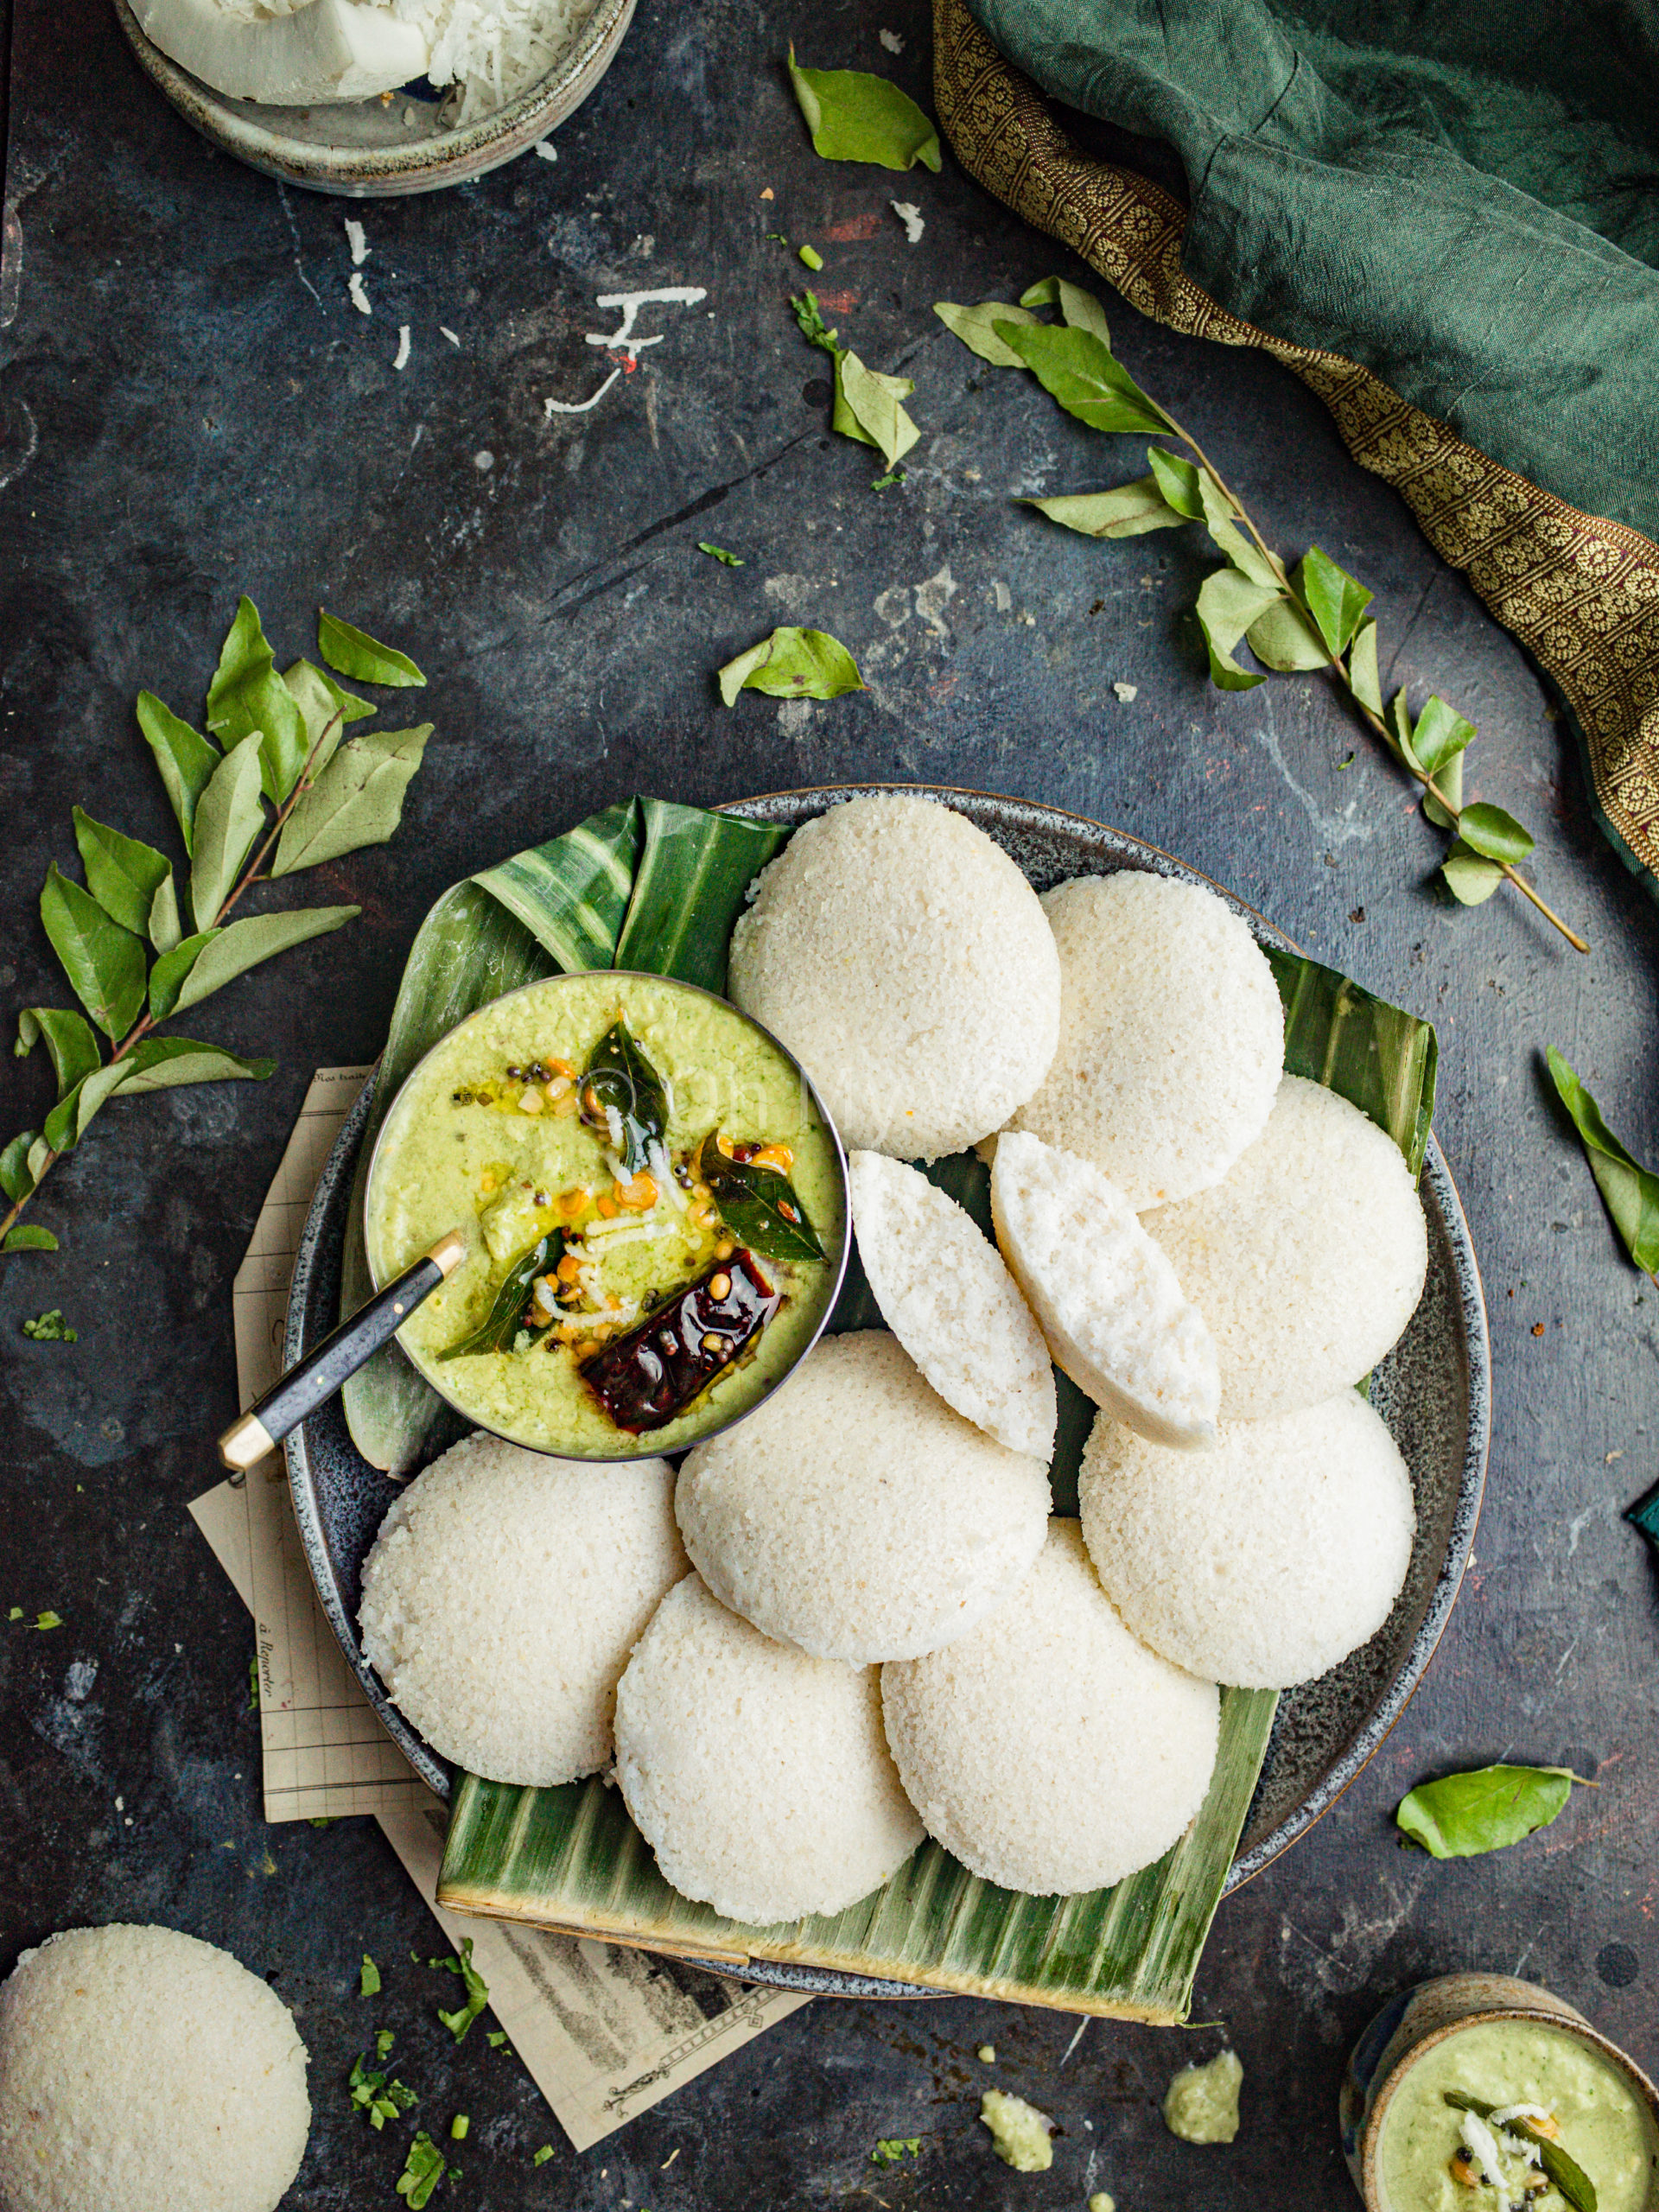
(1482, 2146)
(401, 358)
(911, 217)
(443, 331)
(359, 295)
(357, 238)
(547, 150)
(1127, 692)
(493, 49)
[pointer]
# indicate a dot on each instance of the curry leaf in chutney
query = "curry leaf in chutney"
(621, 1092)
(506, 1317)
(757, 1204)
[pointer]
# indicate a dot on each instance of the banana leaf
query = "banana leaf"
(657, 887)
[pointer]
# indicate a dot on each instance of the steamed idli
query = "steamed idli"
(1049, 1751)
(761, 1778)
(139, 2069)
(1264, 1561)
(503, 1595)
(946, 1295)
(1172, 1035)
(855, 1515)
(905, 962)
(1108, 1299)
(1307, 1259)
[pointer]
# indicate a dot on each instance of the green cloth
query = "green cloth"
(1462, 195)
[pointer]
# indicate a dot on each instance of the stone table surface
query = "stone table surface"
(190, 406)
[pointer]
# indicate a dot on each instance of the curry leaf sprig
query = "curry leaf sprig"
(1310, 615)
(867, 404)
(268, 790)
(1629, 1190)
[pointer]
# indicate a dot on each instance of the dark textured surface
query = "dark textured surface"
(189, 405)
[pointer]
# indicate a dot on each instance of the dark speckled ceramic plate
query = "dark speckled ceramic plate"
(1433, 1390)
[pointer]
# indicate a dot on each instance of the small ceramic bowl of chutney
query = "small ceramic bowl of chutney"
(1477, 2093)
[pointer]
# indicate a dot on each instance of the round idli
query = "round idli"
(947, 1296)
(905, 962)
(1307, 1259)
(139, 2069)
(1110, 1307)
(855, 1515)
(1261, 1562)
(503, 1595)
(1049, 1751)
(1172, 1035)
(761, 1778)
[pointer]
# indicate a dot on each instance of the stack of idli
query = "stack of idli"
(849, 1619)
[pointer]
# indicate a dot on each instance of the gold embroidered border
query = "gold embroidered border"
(1580, 592)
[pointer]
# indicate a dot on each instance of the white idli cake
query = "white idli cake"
(1307, 1259)
(946, 1295)
(1172, 1035)
(855, 1515)
(1049, 1751)
(761, 1778)
(141, 2070)
(1264, 1561)
(905, 960)
(503, 1595)
(1108, 1299)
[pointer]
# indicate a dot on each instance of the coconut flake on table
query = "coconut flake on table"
(401, 359)
(358, 238)
(493, 49)
(911, 216)
(892, 42)
(358, 294)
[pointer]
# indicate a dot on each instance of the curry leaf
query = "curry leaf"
(358, 800)
(1079, 311)
(104, 961)
(27, 1236)
(622, 1093)
(1221, 519)
(247, 696)
(320, 699)
(1335, 600)
(352, 652)
(1462, 1815)
(228, 820)
(204, 964)
(73, 1048)
(15, 1179)
(1179, 480)
(726, 559)
(169, 1063)
(166, 976)
(1075, 368)
(856, 117)
(1577, 2189)
(757, 1204)
(867, 407)
(1439, 736)
(165, 926)
(1490, 830)
(1284, 639)
(506, 1317)
(1362, 672)
(1629, 1190)
(1471, 879)
(792, 664)
(1228, 604)
(1127, 512)
(122, 875)
(185, 758)
(1450, 782)
(976, 328)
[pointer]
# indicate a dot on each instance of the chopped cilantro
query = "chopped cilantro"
(809, 315)
(478, 1994)
(885, 483)
(495, 2038)
(51, 1329)
(811, 256)
(320, 1820)
(368, 1983)
(47, 1620)
(718, 553)
(375, 2098)
(458, 2127)
(16, 1614)
(422, 2171)
(892, 2148)
(542, 2155)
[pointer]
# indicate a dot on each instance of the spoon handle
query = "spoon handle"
(322, 1372)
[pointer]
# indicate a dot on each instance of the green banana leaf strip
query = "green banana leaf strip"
(506, 1314)
(1376, 1056)
(572, 893)
(758, 1205)
(620, 1076)
(689, 886)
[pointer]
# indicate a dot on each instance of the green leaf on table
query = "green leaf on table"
(352, 652)
(423, 2168)
(976, 328)
(1464, 1816)
(358, 800)
(325, 709)
(15, 1179)
(1087, 379)
(1629, 1192)
(1490, 830)
(183, 755)
(718, 553)
(1450, 781)
(247, 696)
(104, 961)
(166, 925)
(1180, 481)
(228, 820)
(170, 1063)
(1221, 519)
(809, 316)
(1362, 671)
(73, 1048)
(205, 963)
(39, 1158)
(1228, 604)
(1127, 511)
(1335, 600)
(1471, 879)
(856, 117)
(1284, 639)
(30, 1236)
(123, 874)
(867, 407)
(1397, 728)
(1079, 311)
(1441, 736)
(793, 664)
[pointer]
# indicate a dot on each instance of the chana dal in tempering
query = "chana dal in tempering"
(651, 1205)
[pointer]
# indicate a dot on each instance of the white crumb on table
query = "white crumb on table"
(444, 331)
(359, 295)
(911, 216)
(547, 150)
(892, 41)
(357, 238)
(402, 357)
(1127, 692)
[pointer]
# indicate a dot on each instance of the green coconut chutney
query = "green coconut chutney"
(499, 1133)
(1505, 2063)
